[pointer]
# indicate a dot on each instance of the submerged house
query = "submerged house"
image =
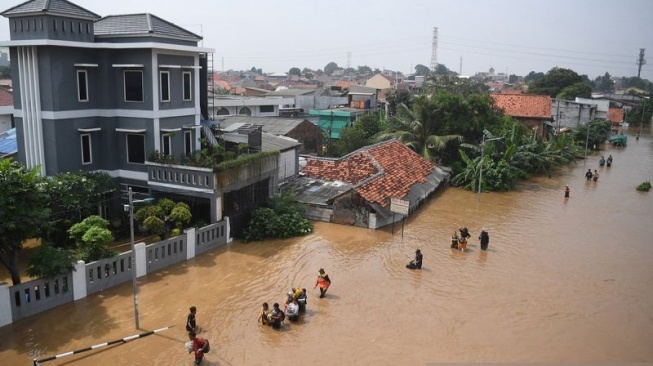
(357, 188)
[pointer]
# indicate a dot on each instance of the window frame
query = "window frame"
(90, 148)
(124, 82)
(161, 85)
(184, 75)
(188, 143)
(168, 137)
(142, 135)
(78, 73)
(260, 108)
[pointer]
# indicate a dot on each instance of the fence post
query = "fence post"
(141, 259)
(79, 281)
(228, 225)
(5, 305)
(190, 242)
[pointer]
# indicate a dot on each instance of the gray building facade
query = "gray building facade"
(96, 93)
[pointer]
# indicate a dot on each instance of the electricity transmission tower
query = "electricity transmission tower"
(434, 50)
(641, 61)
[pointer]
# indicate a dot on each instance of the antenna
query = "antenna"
(434, 50)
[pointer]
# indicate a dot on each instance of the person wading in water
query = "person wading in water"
(323, 281)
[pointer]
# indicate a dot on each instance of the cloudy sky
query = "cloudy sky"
(514, 36)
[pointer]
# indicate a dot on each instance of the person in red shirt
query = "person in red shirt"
(198, 346)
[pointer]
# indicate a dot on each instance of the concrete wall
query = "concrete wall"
(29, 298)
(49, 27)
(571, 114)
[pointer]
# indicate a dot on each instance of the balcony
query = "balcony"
(180, 178)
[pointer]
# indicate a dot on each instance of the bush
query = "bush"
(48, 261)
(645, 186)
(282, 218)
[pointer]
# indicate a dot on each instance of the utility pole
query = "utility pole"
(641, 61)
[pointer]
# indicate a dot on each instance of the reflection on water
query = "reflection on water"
(563, 280)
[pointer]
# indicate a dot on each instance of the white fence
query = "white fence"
(29, 298)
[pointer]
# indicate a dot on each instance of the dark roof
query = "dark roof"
(270, 142)
(52, 7)
(273, 125)
(143, 24)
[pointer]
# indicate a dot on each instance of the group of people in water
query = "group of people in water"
(589, 176)
(294, 305)
(458, 241)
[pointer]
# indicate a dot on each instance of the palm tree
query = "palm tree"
(417, 128)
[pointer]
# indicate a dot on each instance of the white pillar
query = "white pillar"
(141, 259)
(79, 281)
(190, 243)
(5, 305)
(228, 225)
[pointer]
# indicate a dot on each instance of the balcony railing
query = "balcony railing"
(181, 176)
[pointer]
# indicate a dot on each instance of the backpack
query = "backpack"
(207, 347)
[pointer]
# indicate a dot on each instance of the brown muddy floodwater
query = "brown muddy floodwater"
(563, 281)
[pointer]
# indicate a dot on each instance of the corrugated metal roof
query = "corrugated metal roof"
(273, 125)
(144, 24)
(290, 92)
(8, 142)
(271, 142)
(55, 7)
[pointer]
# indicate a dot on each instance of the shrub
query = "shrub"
(281, 219)
(645, 186)
(49, 261)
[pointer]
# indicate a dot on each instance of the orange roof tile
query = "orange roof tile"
(616, 115)
(377, 172)
(524, 105)
(6, 98)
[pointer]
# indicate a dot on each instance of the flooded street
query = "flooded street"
(562, 281)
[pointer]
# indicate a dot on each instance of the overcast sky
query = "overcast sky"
(514, 36)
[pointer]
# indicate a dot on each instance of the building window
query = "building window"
(164, 78)
(245, 111)
(135, 148)
(266, 108)
(166, 144)
(82, 86)
(188, 142)
(133, 86)
(87, 151)
(187, 85)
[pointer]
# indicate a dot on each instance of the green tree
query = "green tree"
(397, 97)
(164, 216)
(49, 261)
(598, 131)
(604, 83)
(455, 85)
(512, 78)
(533, 76)
(294, 71)
(417, 128)
(364, 70)
(280, 218)
(330, 68)
(24, 211)
(422, 70)
(554, 81)
(441, 69)
(581, 90)
(92, 236)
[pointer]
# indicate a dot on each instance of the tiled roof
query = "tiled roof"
(377, 172)
(144, 24)
(524, 105)
(6, 98)
(616, 115)
(55, 7)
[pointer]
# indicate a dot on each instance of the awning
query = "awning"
(170, 129)
(95, 129)
(127, 65)
(131, 130)
(86, 65)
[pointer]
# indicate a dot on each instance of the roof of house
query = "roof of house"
(271, 142)
(290, 92)
(51, 7)
(8, 142)
(6, 98)
(377, 172)
(616, 115)
(273, 125)
(364, 90)
(141, 24)
(524, 105)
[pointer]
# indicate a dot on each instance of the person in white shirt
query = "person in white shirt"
(292, 310)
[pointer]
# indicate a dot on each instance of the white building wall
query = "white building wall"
(287, 164)
(5, 121)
